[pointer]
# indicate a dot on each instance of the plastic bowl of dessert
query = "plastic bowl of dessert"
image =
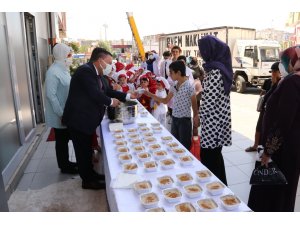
(150, 166)
(155, 124)
(186, 160)
(150, 140)
(142, 124)
(157, 209)
(136, 141)
(120, 143)
(172, 195)
(167, 163)
(215, 188)
(144, 156)
(142, 186)
(144, 129)
(132, 130)
(203, 175)
(154, 147)
(166, 139)
(138, 149)
(147, 134)
(160, 154)
(193, 190)
(118, 131)
(230, 202)
(125, 158)
(207, 205)
(157, 130)
(122, 149)
(133, 135)
(184, 178)
(185, 207)
(171, 145)
(130, 168)
(149, 200)
(178, 152)
(119, 136)
(165, 182)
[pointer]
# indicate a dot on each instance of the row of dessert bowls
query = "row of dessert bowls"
(151, 200)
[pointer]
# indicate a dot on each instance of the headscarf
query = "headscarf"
(61, 51)
(291, 55)
(216, 55)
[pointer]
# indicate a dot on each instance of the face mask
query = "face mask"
(107, 69)
(68, 62)
(151, 56)
(282, 70)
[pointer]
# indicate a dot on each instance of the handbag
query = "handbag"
(260, 103)
(195, 147)
(270, 175)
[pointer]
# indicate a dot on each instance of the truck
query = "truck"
(251, 58)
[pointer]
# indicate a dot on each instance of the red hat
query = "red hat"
(122, 75)
(119, 66)
(129, 73)
(129, 66)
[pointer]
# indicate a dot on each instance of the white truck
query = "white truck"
(251, 59)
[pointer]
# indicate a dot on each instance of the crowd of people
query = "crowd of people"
(179, 87)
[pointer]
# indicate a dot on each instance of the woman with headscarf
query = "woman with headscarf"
(281, 138)
(56, 92)
(215, 111)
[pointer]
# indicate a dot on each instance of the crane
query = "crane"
(136, 35)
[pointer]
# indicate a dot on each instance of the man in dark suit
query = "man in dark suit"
(88, 96)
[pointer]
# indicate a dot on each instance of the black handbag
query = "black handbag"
(272, 175)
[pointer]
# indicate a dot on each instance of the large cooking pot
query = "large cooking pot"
(126, 113)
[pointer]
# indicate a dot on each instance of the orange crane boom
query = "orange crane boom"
(136, 35)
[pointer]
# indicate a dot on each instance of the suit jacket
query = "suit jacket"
(86, 101)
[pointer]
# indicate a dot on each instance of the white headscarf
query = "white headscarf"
(61, 51)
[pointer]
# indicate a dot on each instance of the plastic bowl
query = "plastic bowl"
(166, 139)
(160, 154)
(215, 188)
(142, 186)
(144, 156)
(165, 182)
(125, 158)
(172, 195)
(178, 152)
(149, 200)
(193, 190)
(130, 168)
(207, 205)
(186, 160)
(122, 150)
(184, 178)
(150, 166)
(203, 175)
(185, 207)
(230, 202)
(154, 147)
(158, 209)
(167, 163)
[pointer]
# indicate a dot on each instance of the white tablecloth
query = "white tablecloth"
(127, 200)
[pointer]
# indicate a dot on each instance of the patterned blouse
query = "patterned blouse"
(215, 112)
(182, 99)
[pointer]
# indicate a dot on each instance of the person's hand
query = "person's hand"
(115, 102)
(133, 95)
(265, 160)
(116, 87)
(147, 93)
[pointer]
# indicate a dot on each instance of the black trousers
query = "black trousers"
(181, 128)
(212, 158)
(83, 150)
(62, 138)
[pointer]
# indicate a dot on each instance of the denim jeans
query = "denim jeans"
(181, 128)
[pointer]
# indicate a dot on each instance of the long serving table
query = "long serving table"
(127, 200)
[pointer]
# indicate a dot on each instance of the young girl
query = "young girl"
(147, 84)
(184, 100)
(160, 109)
(122, 80)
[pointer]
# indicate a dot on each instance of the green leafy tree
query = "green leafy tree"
(106, 45)
(75, 47)
(83, 48)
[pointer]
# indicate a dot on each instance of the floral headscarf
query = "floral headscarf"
(291, 56)
(216, 55)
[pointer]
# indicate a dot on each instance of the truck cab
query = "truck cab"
(251, 62)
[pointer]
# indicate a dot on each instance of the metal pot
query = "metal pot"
(127, 112)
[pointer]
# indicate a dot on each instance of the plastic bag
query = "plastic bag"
(270, 175)
(195, 147)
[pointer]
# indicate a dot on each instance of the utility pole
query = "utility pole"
(105, 27)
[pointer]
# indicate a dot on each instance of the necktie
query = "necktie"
(166, 76)
(100, 82)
